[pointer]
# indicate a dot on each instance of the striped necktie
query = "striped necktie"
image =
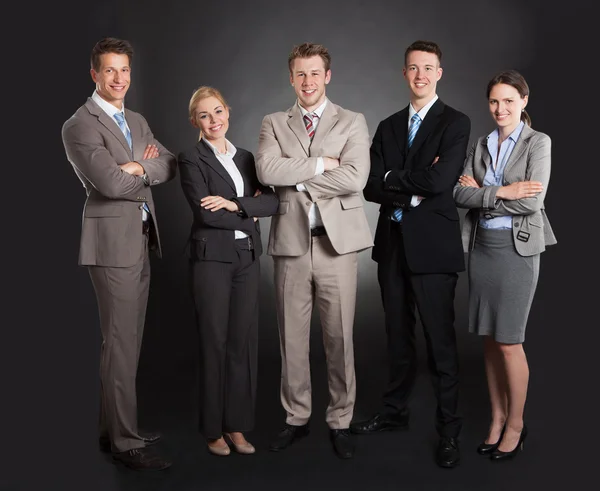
(308, 122)
(415, 122)
(120, 118)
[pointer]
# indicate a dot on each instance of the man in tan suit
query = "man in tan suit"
(117, 159)
(316, 155)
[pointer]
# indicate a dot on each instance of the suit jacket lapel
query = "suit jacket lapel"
(400, 128)
(211, 159)
(520, 147)
(242, 165)
(487, 158)
(110, 124)
(427, 125)
(296, 124)
(329, 119)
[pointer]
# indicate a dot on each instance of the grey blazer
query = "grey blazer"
(111, 232)
(529, 161)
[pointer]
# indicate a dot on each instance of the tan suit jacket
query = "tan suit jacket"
(112, 216)
(287, 157)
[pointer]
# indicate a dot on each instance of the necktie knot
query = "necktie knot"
(309, 123)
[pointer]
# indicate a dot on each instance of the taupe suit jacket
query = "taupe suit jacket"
(287, 157)
(112, 216)
(529, 161)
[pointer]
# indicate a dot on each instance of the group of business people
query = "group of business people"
(313, 162)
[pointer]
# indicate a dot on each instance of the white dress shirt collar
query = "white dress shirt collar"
(318, 111)
(424, 110)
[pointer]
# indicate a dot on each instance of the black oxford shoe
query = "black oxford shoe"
(287, 436)
(379, 422)
(343, 443)
(142, 459)
(448, 454)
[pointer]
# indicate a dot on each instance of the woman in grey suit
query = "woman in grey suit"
(220, 184)
(503, 185)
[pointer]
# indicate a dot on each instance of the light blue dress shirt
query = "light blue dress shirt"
(495, 176)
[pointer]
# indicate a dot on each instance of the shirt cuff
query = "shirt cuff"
(300, 187)
(144, 177)
(415, 201)
(320, 166)
(386, 174)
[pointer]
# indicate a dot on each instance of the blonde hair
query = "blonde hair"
(203, 93)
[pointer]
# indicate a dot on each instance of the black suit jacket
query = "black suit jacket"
(431, 230)
(213, 233)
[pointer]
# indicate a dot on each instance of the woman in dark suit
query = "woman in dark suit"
(220, 184)
(504, 183)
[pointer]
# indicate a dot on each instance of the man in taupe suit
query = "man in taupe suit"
(117, 159)
(316, 155)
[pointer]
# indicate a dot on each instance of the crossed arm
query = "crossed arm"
(519, 198)
(348, 177)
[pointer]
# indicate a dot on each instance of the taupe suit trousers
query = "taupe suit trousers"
(122, 295)
(324, 277)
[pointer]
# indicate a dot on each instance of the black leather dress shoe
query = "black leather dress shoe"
(287, 436)
(379, 422)
(142, 459)
(343, 443)
(448, 454)
(149, 439)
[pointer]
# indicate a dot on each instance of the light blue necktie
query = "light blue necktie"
(121, 122)
(415, 122)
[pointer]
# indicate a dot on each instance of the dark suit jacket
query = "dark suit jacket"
(213, 233)
(431, 230)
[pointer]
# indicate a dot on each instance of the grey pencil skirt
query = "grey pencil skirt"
(501, 286)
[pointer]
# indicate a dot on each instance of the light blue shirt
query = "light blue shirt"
(495, 176)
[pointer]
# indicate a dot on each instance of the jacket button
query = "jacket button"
(203, 239)
(308, 203)
(141, 207)
(517, 224)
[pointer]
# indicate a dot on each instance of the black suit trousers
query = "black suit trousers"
(433, 295)
(226, 304)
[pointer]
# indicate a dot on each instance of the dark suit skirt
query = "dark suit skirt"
(501, 286)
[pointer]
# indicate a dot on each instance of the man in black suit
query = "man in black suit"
(417, 155)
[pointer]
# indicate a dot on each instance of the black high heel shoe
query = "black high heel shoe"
(500, 455)
(488, 448)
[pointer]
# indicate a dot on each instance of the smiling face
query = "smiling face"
(309, 78)
(422, 71)
(212, 117)
(113, 78)
(506, 106)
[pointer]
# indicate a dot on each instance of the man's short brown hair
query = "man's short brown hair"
(308, 50)
(110, 45)
(427, 46)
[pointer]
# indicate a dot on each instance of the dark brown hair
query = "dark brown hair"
(516, 80)
(110, 45)
(427, 46)
(308, 50)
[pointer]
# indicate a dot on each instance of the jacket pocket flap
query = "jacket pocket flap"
(352, 201)
(97, 211)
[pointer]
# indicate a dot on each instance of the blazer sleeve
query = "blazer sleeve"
(441, 176)
(471, 197)
(374, 190)
(352, 173)
(264, 205)
(273, 168)
(193, 183)
(85, 150)
(164, 167)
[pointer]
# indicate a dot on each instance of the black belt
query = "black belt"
(245, 244)
(318, 231)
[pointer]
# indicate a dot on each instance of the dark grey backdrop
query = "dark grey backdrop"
(50, 383)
